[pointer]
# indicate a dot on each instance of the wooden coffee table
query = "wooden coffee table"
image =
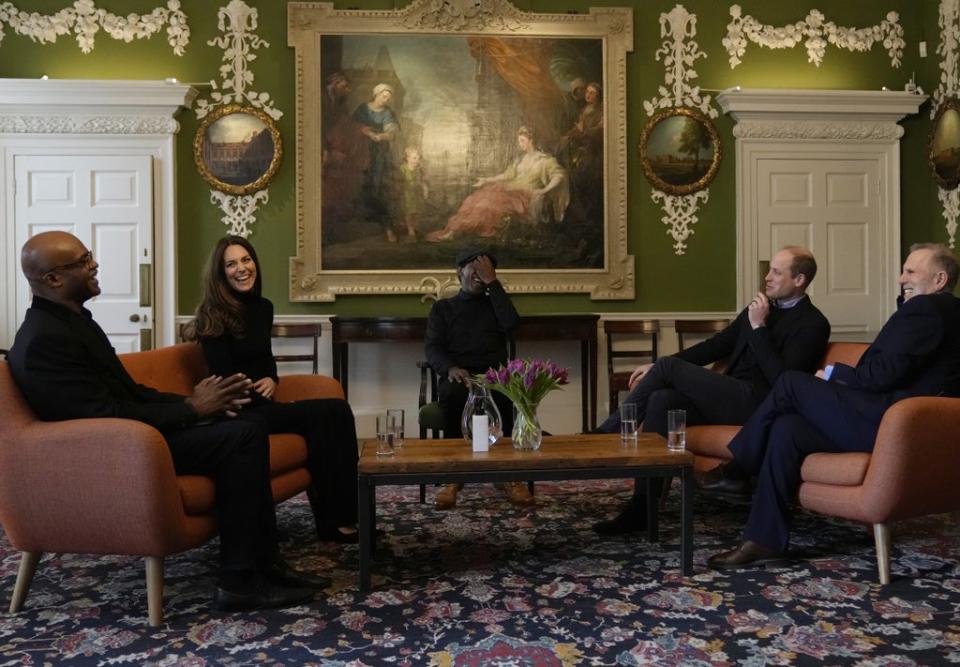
(561, 457)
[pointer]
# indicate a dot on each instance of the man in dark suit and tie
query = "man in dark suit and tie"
(916, 353)
(779, 330)
(66, 368)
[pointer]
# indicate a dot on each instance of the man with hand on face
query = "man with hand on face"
(916, 353)
(66, 368)
(466, 335)
(779, 330)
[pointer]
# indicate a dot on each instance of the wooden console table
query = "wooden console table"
(582, 328)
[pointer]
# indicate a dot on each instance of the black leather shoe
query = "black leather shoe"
(336, 535)
(720, 482)
(280, 573)
(747, 553)
(262, 595)
(629, 520)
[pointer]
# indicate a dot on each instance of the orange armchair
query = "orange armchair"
(108, 486)
(914, 469)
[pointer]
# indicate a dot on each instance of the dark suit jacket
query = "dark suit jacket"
(916, 353)
(794, 339)
(67, 369)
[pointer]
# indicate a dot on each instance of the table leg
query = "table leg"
(653, 508)
(366, 499)
(686, 520)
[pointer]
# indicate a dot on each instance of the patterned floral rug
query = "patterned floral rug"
(489, 584)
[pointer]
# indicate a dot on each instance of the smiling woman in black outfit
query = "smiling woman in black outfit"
(232, 324)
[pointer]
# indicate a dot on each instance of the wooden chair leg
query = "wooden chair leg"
(881, 538)
(28, 566)
(423, 493)
(154, 565)
(530, 486)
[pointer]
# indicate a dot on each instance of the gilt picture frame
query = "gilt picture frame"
(416, 138)
(680, 150)
(943, 154)
(237, 149)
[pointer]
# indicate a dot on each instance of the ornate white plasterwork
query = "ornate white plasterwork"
(949, 87)
(679, 53)
(240, 209)
(85, 19)
(127, 124)
(815, 32)
(238, 22)
(838, 130)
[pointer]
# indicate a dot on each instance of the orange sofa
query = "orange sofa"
(108, 486)
(914, 469)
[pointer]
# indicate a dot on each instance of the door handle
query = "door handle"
(135, 317)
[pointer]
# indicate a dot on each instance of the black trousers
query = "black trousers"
(452, 397)
(236, 454)
(328, 426)
(675, 384)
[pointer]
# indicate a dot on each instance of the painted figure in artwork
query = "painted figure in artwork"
(413, 190)
(533, 189)
(380, 126)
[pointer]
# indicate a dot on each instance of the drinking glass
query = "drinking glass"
(386, 434)
(676, 430)
(628, 423)
(397, 415)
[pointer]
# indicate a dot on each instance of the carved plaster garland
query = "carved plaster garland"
(238, 22)
(84, 19)
(949, 87)
(815, 33)
(679, 55)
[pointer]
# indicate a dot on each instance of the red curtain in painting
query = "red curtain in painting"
(525, 65)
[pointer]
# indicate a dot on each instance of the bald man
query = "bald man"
(66, 368)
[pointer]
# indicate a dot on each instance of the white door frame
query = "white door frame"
(82, 117)
(861, 123)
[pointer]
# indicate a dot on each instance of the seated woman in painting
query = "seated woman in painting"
(534, 188)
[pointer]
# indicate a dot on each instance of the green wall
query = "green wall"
(665, 282)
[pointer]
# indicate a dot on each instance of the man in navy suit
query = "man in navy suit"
(779, 330)
(66, 368)
(916, 353)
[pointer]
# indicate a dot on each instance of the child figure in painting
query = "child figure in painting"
(413, 190)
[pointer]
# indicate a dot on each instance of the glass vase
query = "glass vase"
(480, 402)
(527, 434)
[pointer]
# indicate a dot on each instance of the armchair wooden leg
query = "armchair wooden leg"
(154, 565)
(28, 566)
(881, 537)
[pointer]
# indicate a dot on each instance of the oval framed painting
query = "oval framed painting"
(944, 148)
(680, 150)
(237, 149)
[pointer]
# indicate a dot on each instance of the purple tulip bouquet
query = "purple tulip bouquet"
(526, 382)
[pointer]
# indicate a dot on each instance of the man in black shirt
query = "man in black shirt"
(467, 334)
(66, 368)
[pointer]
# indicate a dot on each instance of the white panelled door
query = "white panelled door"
(831, 206)
(107, 202)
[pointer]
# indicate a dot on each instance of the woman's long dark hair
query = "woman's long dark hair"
(221, 312)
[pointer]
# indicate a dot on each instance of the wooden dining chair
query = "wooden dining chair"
(306, 330)
(618, 381)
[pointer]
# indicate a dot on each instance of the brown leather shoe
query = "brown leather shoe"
(745, 554)
(446, 497)
(518, 493)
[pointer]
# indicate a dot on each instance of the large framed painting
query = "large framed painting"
(456, 124)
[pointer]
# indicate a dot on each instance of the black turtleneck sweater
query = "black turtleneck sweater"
(251, 354)
(470, 330)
